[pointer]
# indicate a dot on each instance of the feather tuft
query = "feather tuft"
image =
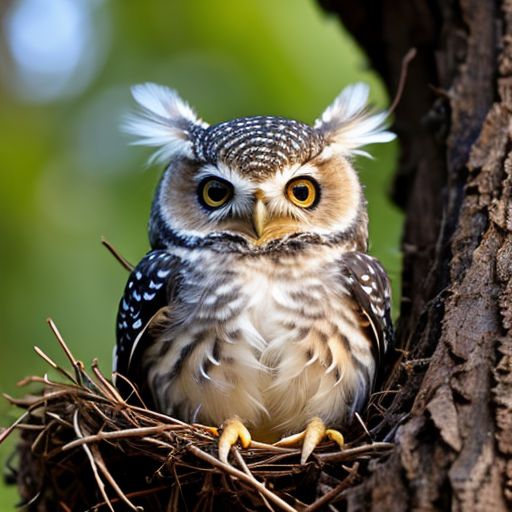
(163, 121)
(349, 124)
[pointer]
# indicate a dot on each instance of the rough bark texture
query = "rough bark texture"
(454, 444)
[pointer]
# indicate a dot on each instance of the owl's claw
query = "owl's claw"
(336, 436)
(233, 429)
(311, 437)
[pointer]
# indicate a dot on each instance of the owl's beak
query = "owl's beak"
(259, 215)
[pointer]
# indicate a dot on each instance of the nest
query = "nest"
(82, 447)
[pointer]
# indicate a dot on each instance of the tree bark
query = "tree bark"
(454, 121)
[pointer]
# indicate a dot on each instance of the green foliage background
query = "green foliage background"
(67, 177)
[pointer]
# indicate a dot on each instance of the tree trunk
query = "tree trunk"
(454, 442)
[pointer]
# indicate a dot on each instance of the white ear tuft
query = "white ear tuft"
(348, 123)
(163, 121)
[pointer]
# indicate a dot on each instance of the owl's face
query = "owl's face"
(259, 180)
(320, 196)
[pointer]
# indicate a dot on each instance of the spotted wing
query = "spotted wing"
(369, 285)
(149, 289)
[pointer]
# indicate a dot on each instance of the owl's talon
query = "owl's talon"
(311, 438)
(214, 431)
(292, 440)
(335, 436)
(233, 430)
(315, 432)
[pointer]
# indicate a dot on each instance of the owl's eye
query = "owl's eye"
(303, 192)
(214, 192)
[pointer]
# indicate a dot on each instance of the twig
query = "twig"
(53, 364)
(77, 365)
(272, 447)
(384, 392)
(173, 502)
(247, 471)
(35, 402)
(273, 459)
(28, 426)
(158, 442)
(117, 255)
(59, 419)
(41, 436)
(107, 388)
(94, 467)
(64, 507)
(157, 415)
(104, 414)
(134, 390)
(409, 56)
(333, 493)
(118, 434)
(351, 452)
(242, 476)
(361, 422)
(44, 380)
(111, 390)
(106, 473)
(32, 500)
(6, 432)
(138, 494)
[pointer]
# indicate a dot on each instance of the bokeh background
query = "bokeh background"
(68, 177)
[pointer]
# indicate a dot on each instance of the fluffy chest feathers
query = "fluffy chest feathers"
(274, 341)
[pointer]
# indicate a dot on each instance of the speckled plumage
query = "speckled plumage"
(258, 145)
(258, 308)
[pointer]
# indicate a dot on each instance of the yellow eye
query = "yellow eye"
(215, 192)
(303, 192)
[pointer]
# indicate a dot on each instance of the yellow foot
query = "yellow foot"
(232, 430)
(311, 437)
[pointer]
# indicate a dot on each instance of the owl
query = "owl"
(257, 307)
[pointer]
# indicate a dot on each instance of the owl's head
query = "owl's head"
(257, 183)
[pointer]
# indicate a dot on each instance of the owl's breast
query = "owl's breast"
(270, 342)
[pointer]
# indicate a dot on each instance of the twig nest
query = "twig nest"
(82, 447)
